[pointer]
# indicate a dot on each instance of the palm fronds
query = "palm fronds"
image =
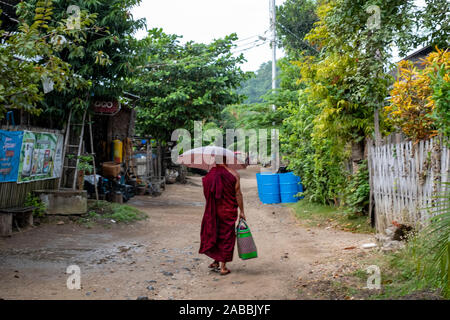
(439, 233)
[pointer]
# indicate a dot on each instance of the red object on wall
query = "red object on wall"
(110, 107)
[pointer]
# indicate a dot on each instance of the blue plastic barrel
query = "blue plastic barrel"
(290, 186)
(268, 188)
(258, 181)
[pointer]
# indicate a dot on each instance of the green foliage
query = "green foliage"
(85, 164)
(105, 211)
(32, 52)
(33, 201)
(107, 55)
(318, 161)
(179, 84)
(439, 246)
(126, 214)
(256, 87)
(343, 85)
(420, 98)
(358, 191)
(440, 86)
(435, 24)
(295, 19)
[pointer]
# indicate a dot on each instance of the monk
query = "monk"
(222, 190)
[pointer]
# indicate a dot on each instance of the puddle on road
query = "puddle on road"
(88, 256)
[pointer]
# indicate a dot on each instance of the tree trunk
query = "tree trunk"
(358, 151)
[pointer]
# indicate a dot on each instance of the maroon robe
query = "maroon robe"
(218, 234)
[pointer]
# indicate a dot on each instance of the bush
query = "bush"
(420, 99)
(358, 192)
(33, 201)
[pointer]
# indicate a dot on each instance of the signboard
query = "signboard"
(110, 107)
(40, 156)
(10, 146)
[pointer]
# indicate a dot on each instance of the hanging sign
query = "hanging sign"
(106, 107)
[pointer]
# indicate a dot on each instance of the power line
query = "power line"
(252, 42)
(296, 36)
(9, 17)
(241, 40)
(250, 48)
(8, 4)
(245, 39)
(248, 45)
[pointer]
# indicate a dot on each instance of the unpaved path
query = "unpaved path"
(158, 258)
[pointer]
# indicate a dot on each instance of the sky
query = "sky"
(206, 20)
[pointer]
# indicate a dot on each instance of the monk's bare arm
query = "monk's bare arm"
(239, 197)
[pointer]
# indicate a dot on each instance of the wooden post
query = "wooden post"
(159, 163)
(80, 146)
(93, 157)
(66, 143)
(371, 195)
(5, 224)
(377, 127)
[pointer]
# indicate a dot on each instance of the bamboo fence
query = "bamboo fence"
(405, 180)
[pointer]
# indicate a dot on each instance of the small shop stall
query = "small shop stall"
(127, 165)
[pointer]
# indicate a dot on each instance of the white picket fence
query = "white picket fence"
(405, 180)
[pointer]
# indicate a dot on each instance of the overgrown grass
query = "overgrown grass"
(403, 273)
(103, 211)
(316, 215)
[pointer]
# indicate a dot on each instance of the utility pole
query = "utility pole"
(273, 20)
(275, 145)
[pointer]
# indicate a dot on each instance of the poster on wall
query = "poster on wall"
(10, 145)
(40, 156)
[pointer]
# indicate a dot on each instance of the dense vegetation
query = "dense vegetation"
(342, 93)
(179, 84)
(332, 98)
(259, 85)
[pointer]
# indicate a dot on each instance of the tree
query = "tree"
(345, 83)
(295, 19)
(256, 87)
(30, 55)
(435, 25)
(179, 84)
(107, 58)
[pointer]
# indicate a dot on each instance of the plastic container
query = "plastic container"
(118, 151)
(258, 181)
(290, 186)
(268, 188)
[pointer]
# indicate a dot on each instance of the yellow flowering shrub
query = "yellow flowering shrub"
(412, 104)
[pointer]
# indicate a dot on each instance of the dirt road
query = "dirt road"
(158, 257)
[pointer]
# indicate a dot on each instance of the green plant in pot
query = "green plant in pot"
(84, 167)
